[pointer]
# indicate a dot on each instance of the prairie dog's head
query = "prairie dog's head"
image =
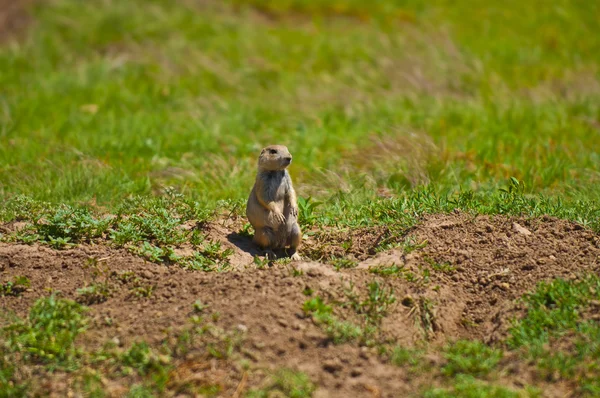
(274, 157)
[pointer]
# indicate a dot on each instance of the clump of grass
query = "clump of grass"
(470, 357)
(375, 306)
(553, 308)
(343, 263)
(287, 382)
(469, 387)
(388, 270)
(49, 334)
(141, 358)
(555, 313)
(337, 331)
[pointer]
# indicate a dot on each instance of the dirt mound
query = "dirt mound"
(488, 262)
(459, 279)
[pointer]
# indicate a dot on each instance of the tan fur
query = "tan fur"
(272, 207)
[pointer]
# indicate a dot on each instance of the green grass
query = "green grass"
(471, 357)
(49, 334)
(286, 382)
(132, 97)
(559, 335)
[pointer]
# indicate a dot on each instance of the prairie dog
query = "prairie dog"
(272, 208)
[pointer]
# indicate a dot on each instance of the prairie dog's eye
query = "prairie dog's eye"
(272, 151)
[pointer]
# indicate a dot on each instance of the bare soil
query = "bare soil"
(477, 267)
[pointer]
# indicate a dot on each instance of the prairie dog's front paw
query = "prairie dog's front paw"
(296, 257)
(294, 212)
(279, 218)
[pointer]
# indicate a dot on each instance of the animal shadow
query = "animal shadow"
(245, 244)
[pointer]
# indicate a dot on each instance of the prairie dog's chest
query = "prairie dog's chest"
(276, 184)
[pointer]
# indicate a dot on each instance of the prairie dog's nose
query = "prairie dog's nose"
(288, 158)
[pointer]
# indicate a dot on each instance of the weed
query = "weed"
(142, 291)
(199, 306)
(66, 224)
(445, 268)
(376, 305)
(306, 211)
(143, 359)
(16, 287)
(337, 331)
(48, 335)
(261, 263)
(391, 270)
(94, 293)
(343, 263)
(401, 356)
(410, 245)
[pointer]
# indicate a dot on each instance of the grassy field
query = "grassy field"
(124, 120)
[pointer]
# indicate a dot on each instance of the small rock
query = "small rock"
(146, 274)
(298, 326)
(332, 365)
(408, 301)
(242, 328)
(282, 322)
(551, 257)
(504, 286)
(520, 229)
(356, 372)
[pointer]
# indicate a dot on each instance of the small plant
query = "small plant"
(64, 225)
(338, 332)
(343, 263)
(401, 356)
(142, 291)
(95, 293)
(392, 270)
(199, 306)
(261, 263)
(444, 267)
(306, 210)
(410, 245)
(376, 304)
(226, 344)
(16, 287)
(143, 359)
